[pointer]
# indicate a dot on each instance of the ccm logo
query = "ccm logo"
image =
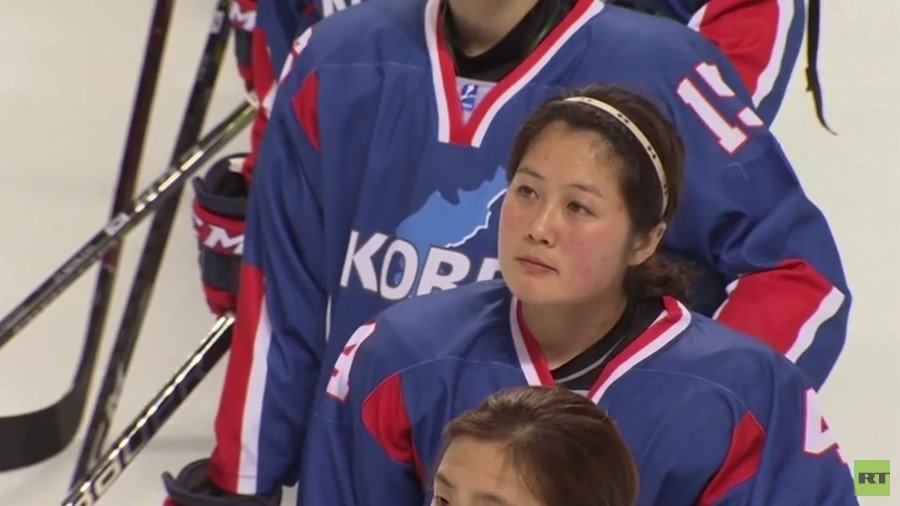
(219, 238)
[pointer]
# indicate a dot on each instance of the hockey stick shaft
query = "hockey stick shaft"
(87, 491)
(32, 437)
(137, 133)
(123, 222)
(134, 147)
(152, 254)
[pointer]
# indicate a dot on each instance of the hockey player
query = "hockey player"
(760, 37)
(383, 168)
(710, 415)
(534, 446)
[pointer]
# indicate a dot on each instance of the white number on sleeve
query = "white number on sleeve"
(818, 437)
(731, 136)
(339, 383)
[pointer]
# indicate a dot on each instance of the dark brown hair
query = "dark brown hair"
(638, 181)
(565, 448)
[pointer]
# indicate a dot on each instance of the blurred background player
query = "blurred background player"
(711, 416)
(534, 446)
(379, 117)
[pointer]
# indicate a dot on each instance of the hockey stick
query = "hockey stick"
(124, 221)
(87, 491)
(151, 256)
(128, 169)
(32, 437)
(134, 144)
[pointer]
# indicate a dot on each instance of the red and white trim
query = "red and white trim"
(256, 386)
(242, 14)
(297, 47)
(766, 80)
(531, 360)
(723, 21)
(783, 307)
(827, 308)
(664, 330)
(669, 325)
(235, 459)
(451, 127)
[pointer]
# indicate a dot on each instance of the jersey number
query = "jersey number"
(730, 135)
(339, 383)
(818, 437)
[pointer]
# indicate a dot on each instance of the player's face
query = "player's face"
(565, 233)
(475, 473)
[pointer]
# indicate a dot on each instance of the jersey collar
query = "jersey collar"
(670, 323)
(451, 127)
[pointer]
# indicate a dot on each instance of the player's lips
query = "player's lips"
(533, 265)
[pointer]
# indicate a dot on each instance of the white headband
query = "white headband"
(654, 158)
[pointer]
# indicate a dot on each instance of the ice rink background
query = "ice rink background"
(68, 72)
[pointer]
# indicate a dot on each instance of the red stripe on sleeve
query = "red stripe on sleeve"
(263, 70)
(306, 108)
(741, 462)
(263, 78)
(384, 415)
(774, 305)
(225, 464)
(746, 31)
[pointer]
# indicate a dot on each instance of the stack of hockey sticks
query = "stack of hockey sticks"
(88, 490)
(32, 437)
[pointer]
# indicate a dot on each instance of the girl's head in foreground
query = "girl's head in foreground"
(594, 180)
(535, 446)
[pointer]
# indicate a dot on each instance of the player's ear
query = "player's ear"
(644, 245)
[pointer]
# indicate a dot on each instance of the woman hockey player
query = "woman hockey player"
(761, 38)
(534, 447)
(382, 170)
(710, 415)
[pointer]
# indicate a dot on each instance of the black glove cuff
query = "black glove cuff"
(223, 189)
(193, 487)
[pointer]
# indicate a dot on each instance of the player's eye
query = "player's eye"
(526, 191)
(578, 208)
(439, 501)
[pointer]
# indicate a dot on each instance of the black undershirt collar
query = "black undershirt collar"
(493, 64)
(581, 372)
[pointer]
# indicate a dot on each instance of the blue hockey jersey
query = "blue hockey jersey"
(710, 416)
(373, 187)
(761, 38)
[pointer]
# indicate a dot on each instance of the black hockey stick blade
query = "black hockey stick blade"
(153, 416)
(124, 193)
(152, 253)
(29, 438)
(123, 222)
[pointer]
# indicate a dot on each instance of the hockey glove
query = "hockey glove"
(219, 209)
(193, 487)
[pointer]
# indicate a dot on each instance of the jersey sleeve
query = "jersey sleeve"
(760, 442)
(761, 38)
(273, 47)
(360, 449)
(782, 454)
(745, 217)
(279, 335)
